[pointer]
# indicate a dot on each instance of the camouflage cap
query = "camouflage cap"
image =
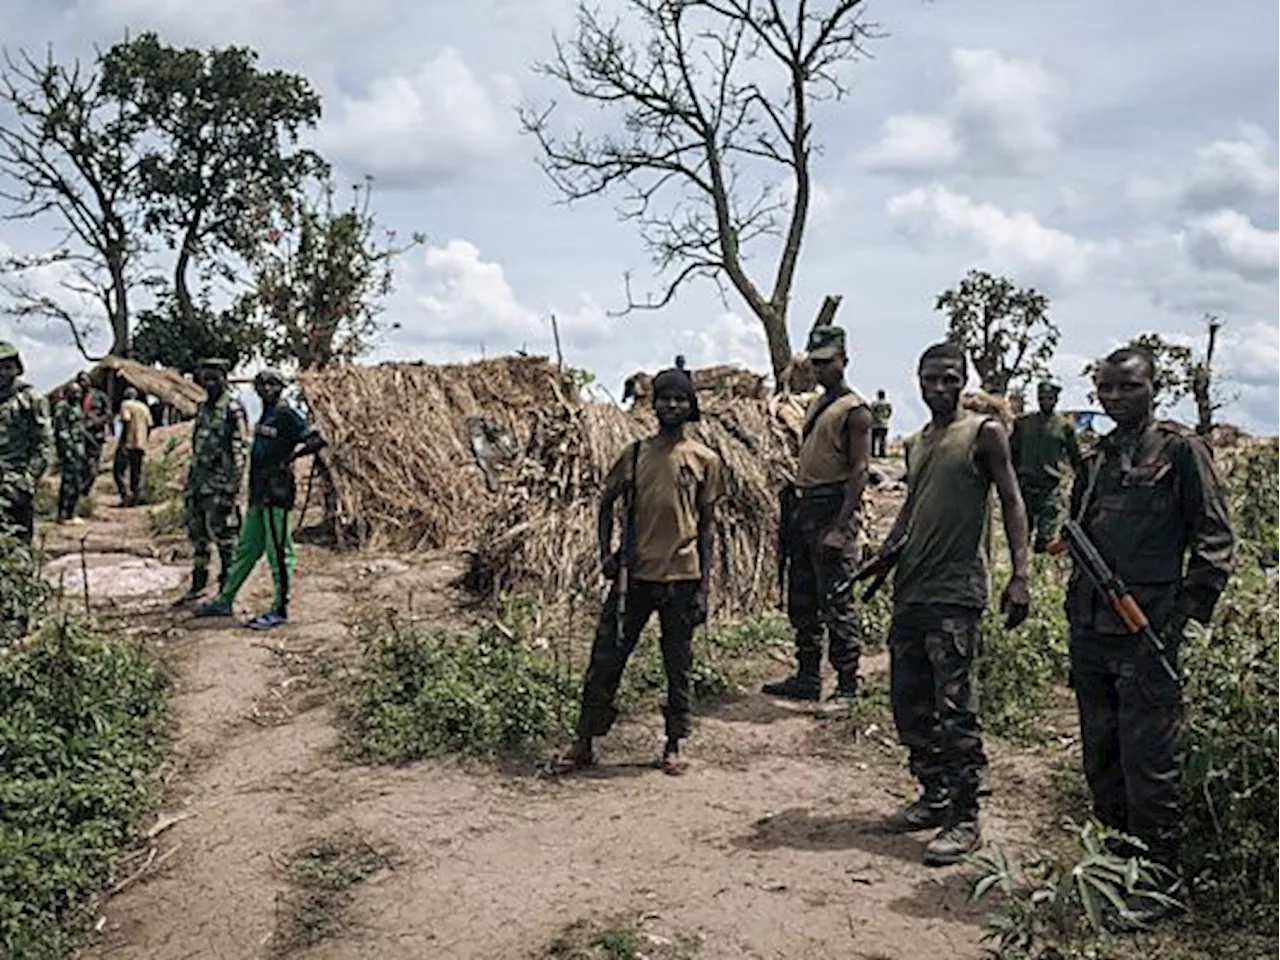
(8, 351)
(826, 342)
(213, 363)
(1048, 386)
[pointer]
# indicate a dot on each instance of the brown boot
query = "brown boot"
(954, 842)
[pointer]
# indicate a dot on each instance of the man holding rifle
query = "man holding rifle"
(1152, 546)
(669, 485)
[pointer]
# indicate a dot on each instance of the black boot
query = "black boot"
(841, 700)
(199, 581)
(805, 684)
(928, 812)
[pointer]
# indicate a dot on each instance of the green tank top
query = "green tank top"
(944, 560)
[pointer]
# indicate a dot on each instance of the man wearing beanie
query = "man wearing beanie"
(668, 485)
(821, 539)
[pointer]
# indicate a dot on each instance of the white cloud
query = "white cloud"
(423, 129)
(1233, 173)
(729, 338)
(1228, 240)
(1017, 242)
(999, 120)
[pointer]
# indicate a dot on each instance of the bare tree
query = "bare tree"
(1202, 379)
(68, 157)
(712, 102)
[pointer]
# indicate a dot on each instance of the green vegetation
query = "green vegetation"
(616, 939)
(81, 735)
(424, 693)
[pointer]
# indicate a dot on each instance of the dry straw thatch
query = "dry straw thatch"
(112, 373)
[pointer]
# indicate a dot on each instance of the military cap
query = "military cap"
(213, 363)
(269, 375)
(825, 342)
(9, 352)
(1048, 386)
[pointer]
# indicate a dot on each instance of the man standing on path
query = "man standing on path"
(1041, 442)
(939, 592)
(97, 420)
(71, 439)
(881, 414)
(669, 485)
(281, 436)
(821, 539)
(1150, 501)
(135, 427)
(26, 447)
(219, 440)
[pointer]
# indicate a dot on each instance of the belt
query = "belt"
(820, 492)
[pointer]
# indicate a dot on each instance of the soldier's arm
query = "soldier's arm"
(858, 444)
(239, 444)
(993, 453)
(1210, 539)
(310, 440)
(708, 496)
(43, 447)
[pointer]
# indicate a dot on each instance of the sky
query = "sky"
(1121, 157)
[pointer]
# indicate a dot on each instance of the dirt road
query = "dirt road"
(767, 849)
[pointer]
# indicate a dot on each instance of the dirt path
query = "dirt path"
(767, 849)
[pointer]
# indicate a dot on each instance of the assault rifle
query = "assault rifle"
(879, 568)
(1117, 593)
(786, 509)
(626, 551)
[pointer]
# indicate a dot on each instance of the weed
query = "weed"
(80, 738)
(322, 873)
(169, 517)
(618, 938)
(164, 477)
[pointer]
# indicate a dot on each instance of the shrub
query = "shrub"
(81, 734)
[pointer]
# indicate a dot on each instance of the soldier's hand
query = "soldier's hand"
(609, 566)
(1015, 603)
(836, 539)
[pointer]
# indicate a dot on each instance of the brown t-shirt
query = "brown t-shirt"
(137, 423)
(824, 454)
(673, 482)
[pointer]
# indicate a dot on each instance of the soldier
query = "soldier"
(135, 427)
(71, 439)
(881, 414)
(821, 539)
(1040, 443)
(669, 484)
(939, 593)
(1150, 500)
(97, 417)
(26, 447)
(281, 436)
(219, 441)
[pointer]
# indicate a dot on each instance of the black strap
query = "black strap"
(823, 405)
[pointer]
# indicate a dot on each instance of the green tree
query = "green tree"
(68, 158)
(219, 150)
(321, 274)
(711, 105)
(1175, 368)
(1005, 329)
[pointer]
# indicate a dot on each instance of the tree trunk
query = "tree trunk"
(775, 332)
(1202, 383)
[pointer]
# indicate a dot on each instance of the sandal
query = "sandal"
(673, 765)
(571, 761)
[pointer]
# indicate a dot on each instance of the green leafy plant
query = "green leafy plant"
(81, 735)
(1058, 908)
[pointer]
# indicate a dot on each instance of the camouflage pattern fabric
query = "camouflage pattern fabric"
(71, 438)
(820, 591)
(1042, 513)
(26, 447)
(219, 447)
(97, 420)
(935, 702)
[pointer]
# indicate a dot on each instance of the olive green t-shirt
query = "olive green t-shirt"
(824, 452)
(944, 560)
(673, 483)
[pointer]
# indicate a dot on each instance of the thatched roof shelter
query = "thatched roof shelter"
(112, 373)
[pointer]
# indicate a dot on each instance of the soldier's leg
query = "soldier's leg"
(1045, 510)
(1150, 729)
(69, 484)
(92, 461)
(951, 648)
(226, 532)
(838, 613)
(135, 474)
(1098, 702)
(803, 611)
(119, 469)
(675, 614)
(249, 550)
(201, 541)
(915, 714)
(280, 558)
(609, 654)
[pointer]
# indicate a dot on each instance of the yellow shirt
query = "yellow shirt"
(673, 483)
(136, 419)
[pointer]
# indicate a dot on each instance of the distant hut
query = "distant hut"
(177, 396)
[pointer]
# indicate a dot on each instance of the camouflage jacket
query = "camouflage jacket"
(219, 448)
(70, 429)
(97, 416)
(1040, 445)
(1155, 508)
(26, 440)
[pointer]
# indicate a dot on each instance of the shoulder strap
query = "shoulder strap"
(822, 407)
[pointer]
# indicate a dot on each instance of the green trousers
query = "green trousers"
(265, 530)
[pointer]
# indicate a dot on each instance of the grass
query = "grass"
(616, 938)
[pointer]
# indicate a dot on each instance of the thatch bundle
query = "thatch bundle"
(414, 450)
(718, 382)
(113, 373)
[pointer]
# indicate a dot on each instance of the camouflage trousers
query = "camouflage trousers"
(935, 700)
(72, 467)
(17, 516)
(1131, 719)
(212, 519)
(1041, 500)
(820, 590)
(92, 463)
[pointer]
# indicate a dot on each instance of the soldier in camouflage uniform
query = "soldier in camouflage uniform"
(26, 446)
(97, 419)
(70, 433)
(219, 446)
(1041, 442)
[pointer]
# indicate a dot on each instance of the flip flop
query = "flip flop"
(268, 620)
(673, 765)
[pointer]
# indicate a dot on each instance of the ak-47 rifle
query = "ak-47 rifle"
(1117, 593)
(786, 508)
(879, 568)
(627, 549)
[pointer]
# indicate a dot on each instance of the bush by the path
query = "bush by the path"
(81, 733)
